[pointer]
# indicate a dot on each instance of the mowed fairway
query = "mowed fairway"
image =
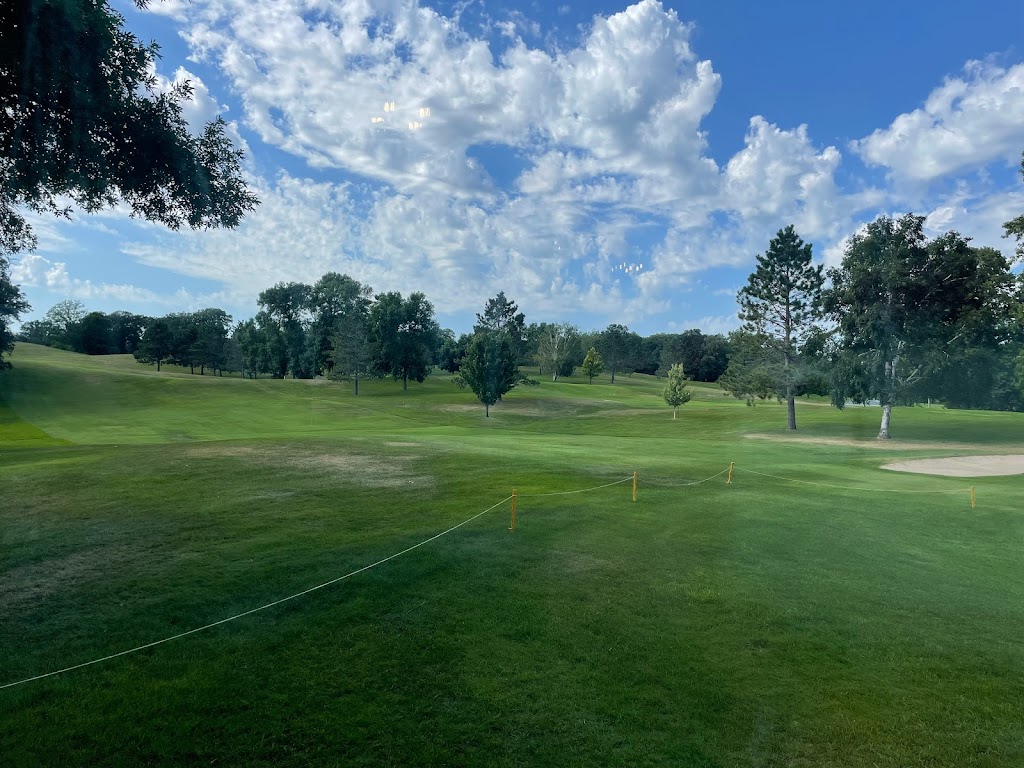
(763, 623)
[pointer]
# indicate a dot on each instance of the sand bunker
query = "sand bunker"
(962, 466)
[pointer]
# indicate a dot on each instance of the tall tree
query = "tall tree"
(64, 317)
(287, 304)
(351, 343)
(502, 315)
(212, 328)
(94, 334)
(904, 306)
(490, 367)
(619, 348)
(558, 345)
(81, 118)
(403, 336)
(332, 297)
(12, 305)
(781, 305)
(156, 343)
(126, 329)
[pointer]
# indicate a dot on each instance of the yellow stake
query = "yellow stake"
(731, 465)
(973, 501)
(513, 526)
(634, 486)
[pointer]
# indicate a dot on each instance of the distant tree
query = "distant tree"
(81, 118)
(156, 343)
(592, 365)
(126, 329)
(94, 334)
(502, 315)
(403, 335)
(490, 367)
(12, 305)
(753, 373)
(675, 392)
(212, 329)
(64, 317)
(781, 305)
(715, 359)
(330, 299)
(450, 352)
(649, 356)
(287, 305)
(557, 347)
(352, 343)
(619, 348)
(37, 332)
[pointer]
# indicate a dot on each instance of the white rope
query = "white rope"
(847, 487)
(581, 490)
(260, 608)
(685, 485)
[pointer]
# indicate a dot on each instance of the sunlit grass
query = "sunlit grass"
(762, 623)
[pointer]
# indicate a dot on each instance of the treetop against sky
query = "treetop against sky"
(601, 162)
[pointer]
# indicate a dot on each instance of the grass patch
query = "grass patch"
(762, 623)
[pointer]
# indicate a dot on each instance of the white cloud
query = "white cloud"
(965, 123)
(35, 271)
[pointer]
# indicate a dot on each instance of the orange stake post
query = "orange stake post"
(513, 526)
(731, 465)
(634, 485)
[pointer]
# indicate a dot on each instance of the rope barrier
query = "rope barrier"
(581, 490)
(848, 487)
(255, 610)
(697, 482)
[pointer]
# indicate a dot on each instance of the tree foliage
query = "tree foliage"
(593, 364)
(81, 117)
(490, 367)
(908, 311)
(12, 305)
(619, 348)
(675, 391)
(780, 306)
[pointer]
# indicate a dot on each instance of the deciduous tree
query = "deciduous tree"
(592, 365)
(675, 392)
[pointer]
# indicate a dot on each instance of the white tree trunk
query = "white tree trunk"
(674, 410)
(883, 433)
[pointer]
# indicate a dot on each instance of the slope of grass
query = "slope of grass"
(761, 623)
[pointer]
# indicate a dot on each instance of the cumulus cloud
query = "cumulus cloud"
(35, 271)
(964, 124)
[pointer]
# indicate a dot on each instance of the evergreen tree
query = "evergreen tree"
(780, 306)
(490, 367)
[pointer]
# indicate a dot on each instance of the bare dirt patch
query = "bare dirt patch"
(962, 466)
(881, 445)
(359, 469)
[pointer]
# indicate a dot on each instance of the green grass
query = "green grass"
(759, 624)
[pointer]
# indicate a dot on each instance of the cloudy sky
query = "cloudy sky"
(599, 162)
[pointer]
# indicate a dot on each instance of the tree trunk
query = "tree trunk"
(791, 407)
(405, 382)
(192, 369)
(487, 410)
(674, 411)
(883, 433)
(158, 365)
(356, 377)
(613, 374)
(202, 369)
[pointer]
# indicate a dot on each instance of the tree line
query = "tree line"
(902, 319)
(340, 328)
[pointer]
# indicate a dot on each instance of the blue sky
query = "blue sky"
(599, 162)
